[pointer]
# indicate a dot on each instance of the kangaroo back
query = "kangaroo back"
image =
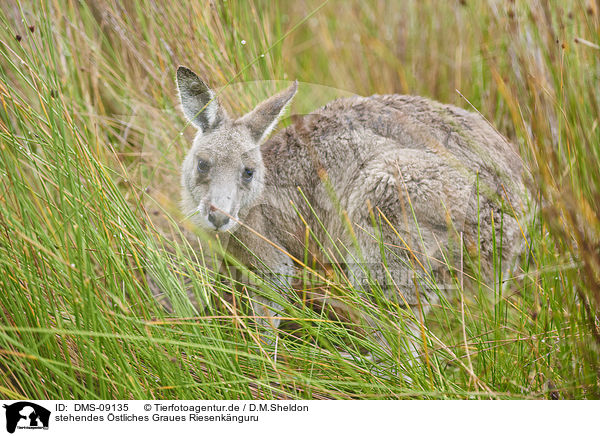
(427, 172)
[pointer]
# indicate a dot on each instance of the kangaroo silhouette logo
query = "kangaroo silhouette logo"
(24, 414)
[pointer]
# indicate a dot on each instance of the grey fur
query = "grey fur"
(382, 157)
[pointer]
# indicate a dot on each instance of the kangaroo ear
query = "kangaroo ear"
(263, 119)
(199, 103)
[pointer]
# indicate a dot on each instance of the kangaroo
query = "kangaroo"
(402, 182)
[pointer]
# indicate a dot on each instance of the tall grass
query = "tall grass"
(91, 141)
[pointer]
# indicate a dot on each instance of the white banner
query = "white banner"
(285, 418)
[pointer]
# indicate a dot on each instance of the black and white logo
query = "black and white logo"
(26, 415)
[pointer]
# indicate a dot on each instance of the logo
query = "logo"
(26, 415)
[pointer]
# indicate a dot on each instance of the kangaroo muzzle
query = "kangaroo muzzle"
(217, 218)
(221, 210)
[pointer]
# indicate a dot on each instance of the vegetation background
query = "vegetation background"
(90, 144)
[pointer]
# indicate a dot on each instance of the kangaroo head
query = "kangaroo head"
(223, 173)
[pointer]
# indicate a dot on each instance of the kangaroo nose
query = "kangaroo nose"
(218, 219)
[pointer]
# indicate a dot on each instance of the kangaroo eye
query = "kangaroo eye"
(203, 166)
(248, 174)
